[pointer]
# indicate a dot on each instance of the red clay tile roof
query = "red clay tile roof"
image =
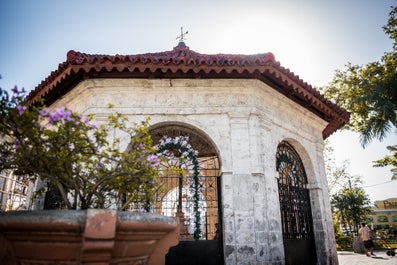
(181, 62)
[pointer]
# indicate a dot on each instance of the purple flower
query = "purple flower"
(69, 116)
(21, 109)
(15, 90)
(52, 118)
(44, 112)
(60, 114)
(18, 143)
(153, 159)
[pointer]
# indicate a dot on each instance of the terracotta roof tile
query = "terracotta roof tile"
(181, 62)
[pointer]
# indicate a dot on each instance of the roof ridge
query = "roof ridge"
(177, 55)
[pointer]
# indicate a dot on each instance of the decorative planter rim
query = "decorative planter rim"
(74, 217)
(99, 236)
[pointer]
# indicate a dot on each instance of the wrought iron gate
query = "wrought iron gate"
(296, 217)
(190, 178)
(176, 198)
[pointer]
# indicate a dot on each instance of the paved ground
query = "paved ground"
(351, 258)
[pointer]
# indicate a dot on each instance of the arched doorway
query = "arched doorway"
(296, 215)
(178, 197)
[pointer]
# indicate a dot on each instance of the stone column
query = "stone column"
(321, 210)
(240, 247)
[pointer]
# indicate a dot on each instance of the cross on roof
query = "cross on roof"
(182, 36)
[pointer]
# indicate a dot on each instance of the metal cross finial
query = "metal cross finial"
(182, 36)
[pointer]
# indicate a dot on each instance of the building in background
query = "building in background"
(385, 214)
(13, 191)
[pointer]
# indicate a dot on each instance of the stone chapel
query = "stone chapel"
(259, 132)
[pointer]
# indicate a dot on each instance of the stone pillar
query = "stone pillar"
(321, 208)
(358, 245)
(229, 236)
(240, 247)
(251, 212)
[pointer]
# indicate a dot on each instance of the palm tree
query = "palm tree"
(351, 205)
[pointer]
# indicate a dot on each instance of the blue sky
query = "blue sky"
(312, 38)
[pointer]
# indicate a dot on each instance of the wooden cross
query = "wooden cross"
(182, 37)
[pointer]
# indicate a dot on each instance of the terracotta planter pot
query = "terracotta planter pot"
(85, 237)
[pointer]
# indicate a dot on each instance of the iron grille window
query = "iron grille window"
(293, 193)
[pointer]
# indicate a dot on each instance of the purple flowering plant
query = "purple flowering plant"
(78, 158)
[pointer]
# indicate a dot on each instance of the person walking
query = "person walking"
(365, 236)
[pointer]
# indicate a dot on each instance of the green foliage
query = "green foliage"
(344, 242)
(351, 205)
(369, 93)
(390, 160)
(346, 196)
(75, 156)
(338, 175)
(391, 27)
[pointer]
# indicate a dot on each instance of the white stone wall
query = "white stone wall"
(246, 119)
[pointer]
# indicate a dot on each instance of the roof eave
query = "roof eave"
(262, 67)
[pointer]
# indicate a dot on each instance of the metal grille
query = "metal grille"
(293, 193)
(175, 198)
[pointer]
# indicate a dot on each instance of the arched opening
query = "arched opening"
(178, 197)
(296, 215)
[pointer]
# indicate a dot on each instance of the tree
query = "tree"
(369, 93)
(390, 160)
(351, 205)
(338, 175)
(76, 157)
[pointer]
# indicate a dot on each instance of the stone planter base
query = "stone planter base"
(85, 237)
(358, 245)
